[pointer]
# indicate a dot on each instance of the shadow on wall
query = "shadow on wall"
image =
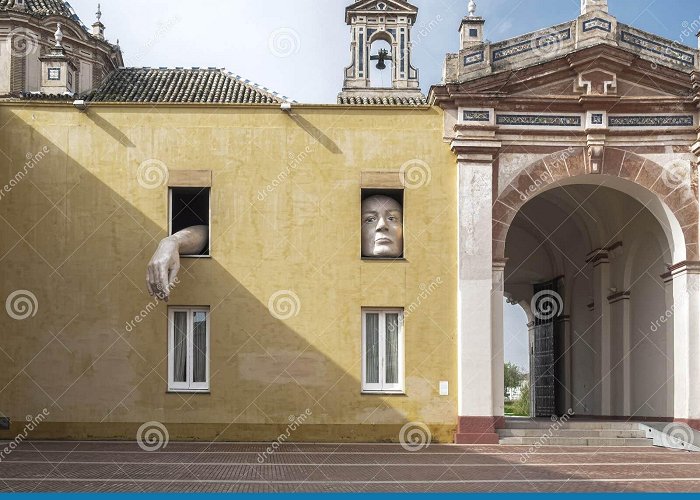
(81, 249)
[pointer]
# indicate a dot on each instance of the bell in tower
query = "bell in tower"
(380, 47)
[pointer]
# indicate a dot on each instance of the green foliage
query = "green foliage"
(513, 376)
(521, 407)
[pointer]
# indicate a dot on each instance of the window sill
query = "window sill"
(384, 259)
(195, 256)
(383, 393)
(187, 391)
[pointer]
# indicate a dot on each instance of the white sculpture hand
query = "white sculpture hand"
(163, 268)
(165, 263)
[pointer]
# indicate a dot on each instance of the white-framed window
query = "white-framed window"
(188, 349)
(382, 351)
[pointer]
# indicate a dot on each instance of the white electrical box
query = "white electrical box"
(444, 388)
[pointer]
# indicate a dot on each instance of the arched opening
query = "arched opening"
(587, 260)
(381, 68)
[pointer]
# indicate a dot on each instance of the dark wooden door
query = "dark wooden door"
(546, 309)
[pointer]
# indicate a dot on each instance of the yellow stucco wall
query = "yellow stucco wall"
(84, 259)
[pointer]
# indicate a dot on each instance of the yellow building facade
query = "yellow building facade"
(285, 283)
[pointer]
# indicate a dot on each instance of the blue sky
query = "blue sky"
(236, 34)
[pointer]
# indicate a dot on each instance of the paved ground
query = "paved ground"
(223, 467)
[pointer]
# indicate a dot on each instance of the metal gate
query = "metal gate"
(547, 306)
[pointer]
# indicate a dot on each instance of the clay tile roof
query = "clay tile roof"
(168, 85)
(383, 101)
(43, 7)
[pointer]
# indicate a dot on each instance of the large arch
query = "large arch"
(674, 204)
(606, 361)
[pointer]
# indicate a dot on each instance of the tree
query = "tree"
(513, 376)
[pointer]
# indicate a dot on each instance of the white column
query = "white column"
(601, 290)
(475, 316)
(627, 356)
(684, 280)
(497, 340)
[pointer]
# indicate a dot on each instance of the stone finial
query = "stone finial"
(593, 5)
(472, 8)
(58, 36)
(98, 29)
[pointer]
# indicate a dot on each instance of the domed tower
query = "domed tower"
(34, 61)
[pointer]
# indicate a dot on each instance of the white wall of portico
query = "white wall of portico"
(480, 352)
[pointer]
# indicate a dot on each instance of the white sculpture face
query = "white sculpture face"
(382, 227)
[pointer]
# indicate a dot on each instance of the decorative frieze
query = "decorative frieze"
(474, 58)
(651, 121)
(543, 41)
(476, 116)
(597, 24)
(539, 120)
(597, 118)
(666, 51)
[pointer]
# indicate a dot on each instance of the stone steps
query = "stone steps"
(575, 433)
(572, 425)
(579, 441)
(545, 432)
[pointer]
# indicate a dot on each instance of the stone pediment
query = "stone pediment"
(368, 7)
(600, 72)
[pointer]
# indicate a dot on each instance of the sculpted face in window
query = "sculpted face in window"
(382, 227)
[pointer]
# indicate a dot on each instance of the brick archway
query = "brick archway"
(680, 198)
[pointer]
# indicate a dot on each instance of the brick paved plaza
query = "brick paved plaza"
(226, 467)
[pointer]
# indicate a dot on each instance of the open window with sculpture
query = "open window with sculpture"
(189, 219)
(189, 207)
(382, 224)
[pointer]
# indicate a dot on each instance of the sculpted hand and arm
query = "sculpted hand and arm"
(165, 263)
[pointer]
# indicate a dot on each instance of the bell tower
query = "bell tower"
(388, 21)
